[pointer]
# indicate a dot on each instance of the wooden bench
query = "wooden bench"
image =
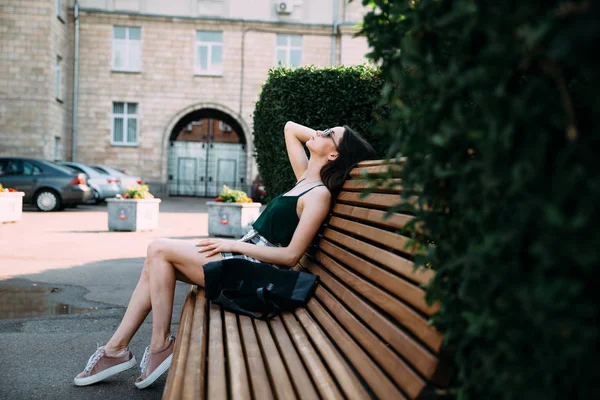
(364, 335)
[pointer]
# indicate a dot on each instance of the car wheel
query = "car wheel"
(48, 200)
(96, 199)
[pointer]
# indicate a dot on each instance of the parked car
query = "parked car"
(50, 187)
(257, 191)
(103, 186)
(126, 179)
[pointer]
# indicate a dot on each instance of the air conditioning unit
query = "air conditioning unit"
(283, 7)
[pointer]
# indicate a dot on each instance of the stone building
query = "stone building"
(166, 88)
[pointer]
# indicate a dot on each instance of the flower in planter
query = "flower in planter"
(7, 190)
(233, 196)
(136, 192)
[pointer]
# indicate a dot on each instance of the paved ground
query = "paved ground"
(73, 251)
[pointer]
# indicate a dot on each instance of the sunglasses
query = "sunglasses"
(329, 133)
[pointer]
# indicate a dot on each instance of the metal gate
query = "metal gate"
(201, 169)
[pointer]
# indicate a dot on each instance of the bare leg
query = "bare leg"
(138, 309)
(167, 257)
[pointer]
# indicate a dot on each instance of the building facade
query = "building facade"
(166, 89)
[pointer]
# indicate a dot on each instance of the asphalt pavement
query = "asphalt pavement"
(83, 266)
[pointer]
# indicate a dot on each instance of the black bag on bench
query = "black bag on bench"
(250, 288)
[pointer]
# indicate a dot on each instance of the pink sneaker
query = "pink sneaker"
(101, 366)
(153, 365)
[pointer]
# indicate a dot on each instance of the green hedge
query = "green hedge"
(495, 106)
(318, 98)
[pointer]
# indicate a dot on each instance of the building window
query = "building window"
(209, 53)
(289, 50)
(127, 49)
(58, 78)
(125, 124)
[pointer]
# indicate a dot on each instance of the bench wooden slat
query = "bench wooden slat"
(194, 378)
(376, 170)
(282, 384)
(405, 315)
(216, 379)
(373, 376)
(238, 382)
(300, 379)
(256, 365)
(374, 200)
(368, 163)
(180, 353)
(390, 186)
(349, 382)
(319, 373)
(394, 262)
(380, 236)
(395, 220)
(401, 373)
(407, 291)
(412, 351)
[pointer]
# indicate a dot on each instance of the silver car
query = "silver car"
(103, 186)
(50, 187)
(126, 180)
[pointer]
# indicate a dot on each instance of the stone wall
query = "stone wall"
(167, 83)
(31, 37)
(25, 71)
(166, 88)
(60, 109)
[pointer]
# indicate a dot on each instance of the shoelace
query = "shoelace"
(146, 357)
(94, 358)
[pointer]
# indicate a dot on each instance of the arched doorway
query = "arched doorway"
(207, 149)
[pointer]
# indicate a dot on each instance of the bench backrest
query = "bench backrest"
(370, 301)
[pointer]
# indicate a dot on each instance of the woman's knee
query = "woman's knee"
(157, 247)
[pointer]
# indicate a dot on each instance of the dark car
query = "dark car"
(47, 185)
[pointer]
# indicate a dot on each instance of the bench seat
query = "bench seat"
(365, 334)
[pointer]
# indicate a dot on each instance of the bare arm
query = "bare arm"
(316, 208)
(295, 136)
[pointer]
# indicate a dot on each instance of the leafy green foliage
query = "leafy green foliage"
(494, 105)
(316, 97)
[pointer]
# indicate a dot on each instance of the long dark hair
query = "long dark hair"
(353, 148)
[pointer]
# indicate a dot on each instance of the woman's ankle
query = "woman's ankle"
(113, 349)
(158, 346)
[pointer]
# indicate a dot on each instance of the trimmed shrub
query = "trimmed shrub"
(316, 97)
(494, 105)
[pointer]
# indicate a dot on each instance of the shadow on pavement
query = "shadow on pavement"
(42, 355)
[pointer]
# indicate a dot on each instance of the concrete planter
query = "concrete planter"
(132, 215)
(231, 219)
(11, 206)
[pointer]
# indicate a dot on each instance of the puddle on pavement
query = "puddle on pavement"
(33, 301)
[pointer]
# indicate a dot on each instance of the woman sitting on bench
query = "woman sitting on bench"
(280, 236)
